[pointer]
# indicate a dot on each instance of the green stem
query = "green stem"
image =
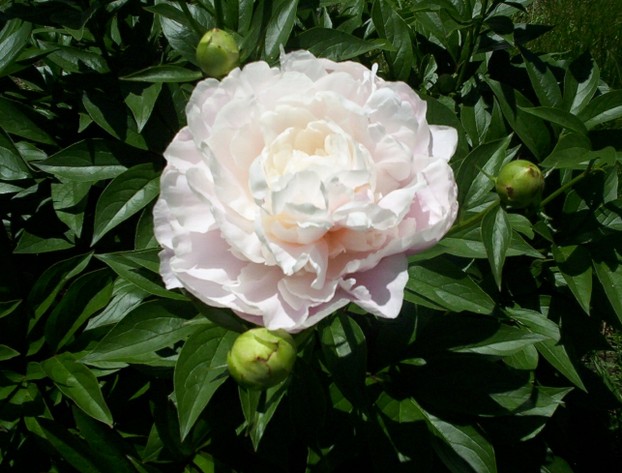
(471, 220)
(195, 25)
(568, 185)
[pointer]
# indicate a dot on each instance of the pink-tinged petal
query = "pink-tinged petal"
(169, 278)
(294, 191)
(380, 291)
(444, 141)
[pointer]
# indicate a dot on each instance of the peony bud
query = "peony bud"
(217, 53)
(261, 358)
(520, 184)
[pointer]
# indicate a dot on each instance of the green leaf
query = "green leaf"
(110, 450)
(75, 59)
(148, 328)
(575, 264)
(446, 285)
(496, 235)
(86, 161)
(78, 383)
(576, 158)
(168, 73)
(559, 117)
(34, 244)
(463, 441)
(580, 83)
(389, 24)
(552, 350)
(8, 307)
(336, 45)
(531, 130)
(126, 195)
(259, 408)
(12, 164)
(542, 79)
(609, 272)
(200, 370)
(504, 342)
(13, 38)
(475, 177)
(141, 101)
(279, 26)
(602, 109)
(115, 120)
(140, 268)
(6, 353)
(52, 281)
(69, 200)
(86, 295)
(70, 447)
(344, 351)
(126, 296)
(15, 119)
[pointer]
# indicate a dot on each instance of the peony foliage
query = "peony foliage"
(341, 185)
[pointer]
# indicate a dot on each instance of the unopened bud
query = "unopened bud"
(260, 358)
(520, 184)
(217, 53)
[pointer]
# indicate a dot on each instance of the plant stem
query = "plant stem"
(567, 186)
(471, 220)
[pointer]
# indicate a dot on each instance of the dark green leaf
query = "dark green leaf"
(200, 370)
(79, 384)
(559, 117)
(345, 354)
(110, 450)
(496, 235)
(392, 26)
(259, 408)
(13, 38)
(6, 353)
(148, 328)
(88, 294)
(16, 119)
(609, 273)
(580, 83)
(475, 176)
(126, 195)
(279, 27)
(104, 111)
(33, 244)
(70, 447)
(552, 350)
(86, 161)
(575, 264)
(542, 79)
(141, 101)
(336, 45)
(164, 73)
(463, 441)
(444, 284)
(12, 165)
(531, 130)
(69, 200)
(126, 296)
(602, 109)
(129, 267)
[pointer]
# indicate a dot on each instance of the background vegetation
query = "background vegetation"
(501, 360)
(581, 26)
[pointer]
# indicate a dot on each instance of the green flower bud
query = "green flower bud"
(260, 358)
(520, 184)
(217, 53)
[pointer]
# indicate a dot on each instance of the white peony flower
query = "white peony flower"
(293, 191)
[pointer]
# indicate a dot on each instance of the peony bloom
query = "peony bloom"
(293, 191)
